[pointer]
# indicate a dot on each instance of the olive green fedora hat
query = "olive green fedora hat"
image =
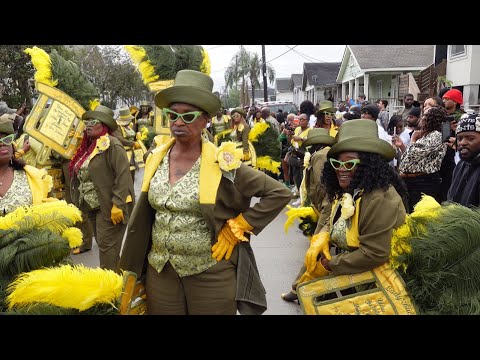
(124, 117)
(240, 111)
(327, 105)
(102, 113)
(361, 135)
(190, 87)
(6, 124)
(319, 136)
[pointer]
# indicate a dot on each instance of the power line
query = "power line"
(215, 47)
(307, 57)
(290, 49)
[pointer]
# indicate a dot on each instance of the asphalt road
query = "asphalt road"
(278, 255)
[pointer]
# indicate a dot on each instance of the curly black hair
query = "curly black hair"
(432, 119)
(373, 172)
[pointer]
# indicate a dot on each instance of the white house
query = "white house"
(376, 70)
(282, 89)
(296, 88)
(463, 70)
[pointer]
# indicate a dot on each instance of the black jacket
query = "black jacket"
(465, 188)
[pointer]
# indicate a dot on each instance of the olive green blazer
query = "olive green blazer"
(220, 200)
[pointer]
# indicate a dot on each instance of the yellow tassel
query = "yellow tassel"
(42, 63)
(74, 236)
(205, 67)
(266, 163)
(257, 130)
(140, 59)
(76, 287)
(93, 104)
(296, 213)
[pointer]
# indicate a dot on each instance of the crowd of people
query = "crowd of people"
(189, 230)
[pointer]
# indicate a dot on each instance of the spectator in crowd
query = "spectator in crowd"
(408, 103)
(370, 112)
(382, 119)
(307, 107)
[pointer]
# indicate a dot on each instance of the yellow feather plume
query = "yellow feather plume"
(74, 236)
(426, 209)
(296, 213)
(37, 215)
(43, 64)
(266, 163)
(76, 287)
(257, 130)
(140, 59)
(93, 104)
(205, 67)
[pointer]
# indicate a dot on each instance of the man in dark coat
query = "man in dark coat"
(465, 188)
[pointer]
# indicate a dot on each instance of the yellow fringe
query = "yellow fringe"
(67, 286)
(257, 130)
(266, 163)
(140, 59)
(296, 213)
(43, 66)
(205, 67)
(74, 236)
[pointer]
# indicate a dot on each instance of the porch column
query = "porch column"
(350, 89)
(357, 82)
(344, 93)
(366, 85)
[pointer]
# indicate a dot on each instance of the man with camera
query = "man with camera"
(465, 188)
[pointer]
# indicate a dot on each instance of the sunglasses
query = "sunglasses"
(7, 140)
(91, 122)
(236, 116)
(347, 165)
(328, 113)
(187, 117)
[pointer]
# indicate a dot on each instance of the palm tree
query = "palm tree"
(246, 65)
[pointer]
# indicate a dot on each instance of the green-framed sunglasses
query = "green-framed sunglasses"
(7, 140)
(347, 165)
(91, 122)
(187, 117)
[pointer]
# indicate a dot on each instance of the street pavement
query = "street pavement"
(278, 255)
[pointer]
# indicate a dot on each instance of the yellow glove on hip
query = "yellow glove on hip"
(136, 145)
(116, 215)
(230, 235)
(246, 156)
(320, 243)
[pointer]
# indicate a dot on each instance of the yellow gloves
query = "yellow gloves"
(230, 235)
(317, 272)
(136, 145)
(246, 156)
(116, 215)
(320, 243)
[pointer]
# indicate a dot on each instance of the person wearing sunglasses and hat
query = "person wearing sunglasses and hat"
(20, 184)
(188, 238)
(367, 197)
(101, 184)
(326, 117)
(126, 134)
(240, 131)
(317, 145)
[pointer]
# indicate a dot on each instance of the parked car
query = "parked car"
(274, 106)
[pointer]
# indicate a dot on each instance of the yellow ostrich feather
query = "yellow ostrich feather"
(266, 163)
(41, 216)
(143, 133)
(221, 135)
(43, 65)
(296, 213)
(140, 59)
(205, 67)
(426, 209)
(257, 130)
(74, 236)
(93, 104)
(67, 286)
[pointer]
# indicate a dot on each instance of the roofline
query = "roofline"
(414, 68)
(342, 65)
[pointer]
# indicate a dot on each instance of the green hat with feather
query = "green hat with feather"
(6, 123)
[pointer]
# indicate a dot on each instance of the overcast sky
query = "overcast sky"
(284, 60)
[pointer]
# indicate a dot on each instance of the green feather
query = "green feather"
(37, 249)
(443, 268)
(268, 145)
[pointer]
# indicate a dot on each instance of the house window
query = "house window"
(457, 50)
(379, 89)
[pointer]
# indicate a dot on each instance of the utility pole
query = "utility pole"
(264, 70)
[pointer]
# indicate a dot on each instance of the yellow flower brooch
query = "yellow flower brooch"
(103, 143)
(348, 207)
(229, 158)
